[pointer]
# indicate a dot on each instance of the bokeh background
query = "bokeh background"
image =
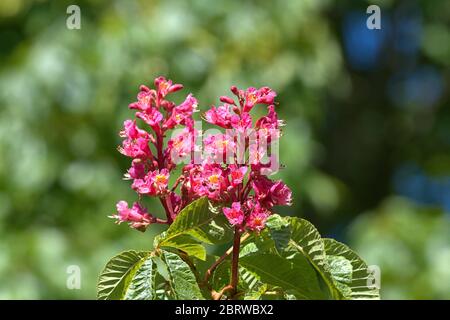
(366, 146)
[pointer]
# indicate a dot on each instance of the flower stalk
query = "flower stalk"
(235, 261)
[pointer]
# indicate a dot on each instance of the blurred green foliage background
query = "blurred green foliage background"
(366, 146)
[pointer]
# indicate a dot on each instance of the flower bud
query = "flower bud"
(235, 90)
(226, 99)
(175, 88)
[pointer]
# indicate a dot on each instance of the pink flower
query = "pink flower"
(137, 216)
(160, 180)
(130, 130)
(280, 194)
(152, 117)
(154, 183)
(145, 99)
(193, 185)
(214, 181)
(234, 214)
(242, 122)
(137, 170)
(164, 87)
(136, 144)
(237, 174)
(268, 126)
(137, 148)
(213, 178)
(270, 193)
(261, 186)
(220, 116)
(219, 146)
(256, 221)
(254, 96)
(181, 113)
(181, 145)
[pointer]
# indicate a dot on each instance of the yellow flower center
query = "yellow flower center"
(214, 178)
(222, 143)
(164, 86)
(252, 98)
(257, 221)
(160, 179)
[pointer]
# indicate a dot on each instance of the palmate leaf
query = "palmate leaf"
(360, 281)
(116, 277)
(197, 223)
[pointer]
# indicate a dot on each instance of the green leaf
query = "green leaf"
(280, 231)
(272, 269)
(202, 223)
(183, 280)
(142, 286)
(250, 283)
(340, 268)
(198, 222)
(118, 274)
(306, 240)
(187, 244)
(341, 271)
(360, 276)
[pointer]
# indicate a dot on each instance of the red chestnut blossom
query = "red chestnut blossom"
(165, 87)
(242, 122)
(137, 170)
(145, 99)
(280, 194)
(181, 145)
(182, 114)
(154, 183)
(150, 170)
(222, 174)
(152, 117)
(255, 96)
(237, 174)
(136, 143)
(219, 147)
(256, 221)
(137, 216)
(234, 214)
(220, 116)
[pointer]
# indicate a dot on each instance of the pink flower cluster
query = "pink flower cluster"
(246, 194)
(151, 165)
(250, 195)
